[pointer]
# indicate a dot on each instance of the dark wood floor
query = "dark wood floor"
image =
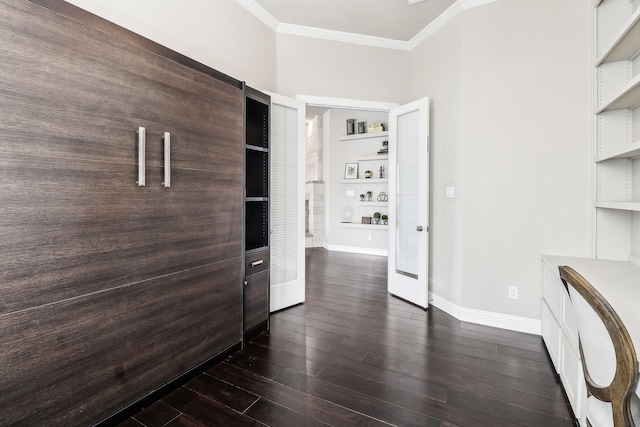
(353, 355)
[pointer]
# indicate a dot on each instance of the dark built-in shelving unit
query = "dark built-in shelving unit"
(256, 283)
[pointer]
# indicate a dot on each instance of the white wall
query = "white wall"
(335, 155)
(510, 83)
(309, 66)
(220, 33)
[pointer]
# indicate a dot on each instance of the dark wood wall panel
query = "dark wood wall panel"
(109, 290)
(73, 227)
(102, 344)
(90, 92)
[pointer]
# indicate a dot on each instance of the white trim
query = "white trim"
(261, 13)
(355, 249)
(446, 16)
(435, 25)
(353, 104)
(361, 39)
(468, 4)
(634, 260)
(487, 318)
(341, 36)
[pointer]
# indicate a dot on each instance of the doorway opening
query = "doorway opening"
(328, 197)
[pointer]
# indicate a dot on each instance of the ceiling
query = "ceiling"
(390, 19)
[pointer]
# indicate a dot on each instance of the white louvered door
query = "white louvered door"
(408, 267)
(287, 248)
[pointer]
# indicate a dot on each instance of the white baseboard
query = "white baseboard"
(634, 260)
(356, 249)
(471, 315)
(487, 318)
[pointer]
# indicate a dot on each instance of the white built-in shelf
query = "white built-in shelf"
(357, 225)
(625, 45)
(629, 97)
(373, 203)
(628, 151)
(363, 136)
(372, 158)
(624, 206)
(364, 181)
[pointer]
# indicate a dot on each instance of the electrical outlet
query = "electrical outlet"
(513, 292)
(370, 237)
(451, 192)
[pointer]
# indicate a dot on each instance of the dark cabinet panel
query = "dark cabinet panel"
(71, 228)
(88, 93)
(77, 361)
(256, 300)
(109, 290)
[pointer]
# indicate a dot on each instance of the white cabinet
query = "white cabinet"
(560, 334)
(617, 128)
(370, 193)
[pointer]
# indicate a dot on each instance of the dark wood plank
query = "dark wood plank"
(505, 411)
(377, 408)
(302, 403)
(275, 415)
(222, 392)
(157, 415)
(254, 364)
(280, 360)
(131, 423)
(184, 421)
(207, 411)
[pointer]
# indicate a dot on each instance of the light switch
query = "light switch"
(451, 192)
(351, 193)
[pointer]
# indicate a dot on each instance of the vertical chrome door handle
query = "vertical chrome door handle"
(142, 152)
(167, 160)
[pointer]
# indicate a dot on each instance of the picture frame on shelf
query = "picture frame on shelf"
(362, 127)
(351, 126)
(351, 171)
(366, 220)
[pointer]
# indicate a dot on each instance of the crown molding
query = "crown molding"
(340, 36)
(361, 39)
(261, 13)
(435, 25)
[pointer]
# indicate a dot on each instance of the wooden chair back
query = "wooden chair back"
(608, 356)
